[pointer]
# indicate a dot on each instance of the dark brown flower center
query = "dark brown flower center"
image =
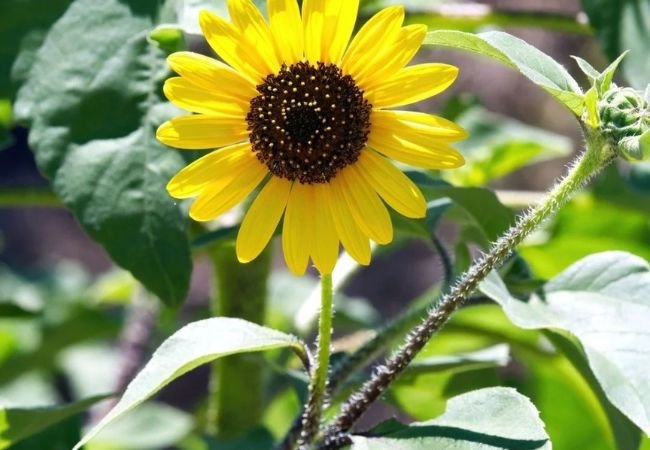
(308, 122)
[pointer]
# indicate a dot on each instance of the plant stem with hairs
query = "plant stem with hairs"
(320, 369)
(597, 156)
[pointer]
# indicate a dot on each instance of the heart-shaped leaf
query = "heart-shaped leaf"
(92, 99)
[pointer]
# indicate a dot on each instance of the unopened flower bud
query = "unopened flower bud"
(625, 119)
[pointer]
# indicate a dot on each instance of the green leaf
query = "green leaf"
(60, 437)
(195, 344)
(94, 137)
(494, 418)
(586, 68)
(624, 25)
(498, 146)
(602, 300)
(17, 424)
(604, 81)
(535, 65)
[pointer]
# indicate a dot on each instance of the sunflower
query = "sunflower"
(302, 113)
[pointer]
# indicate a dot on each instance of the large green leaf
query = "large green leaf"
(196, 344)
(92, 99)
(624, 25)
(17, 424)
(493, 418)
(603, 301)
(535, 65)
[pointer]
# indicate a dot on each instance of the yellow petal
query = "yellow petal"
(328, 25)
(286, 27)
(219, 197)
(220, 164)
(231, 45)
(297, 228)
(202, 132)
(367, 209)
(212, 75)
(325, 249)
(392, 57)
(367, 45)
(406, 123)
(411, 85)
(355, 242)
(392, 185)
(188, 96)
(434, 155)
(250, 22)
(262, 219)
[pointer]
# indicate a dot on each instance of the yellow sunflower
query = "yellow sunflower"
(296, 110)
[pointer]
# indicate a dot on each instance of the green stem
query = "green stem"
(320, 370)
(28, 197)
(236, 401)
(597, 156)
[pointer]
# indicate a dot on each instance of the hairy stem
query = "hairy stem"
(318, 386)
(593, 160)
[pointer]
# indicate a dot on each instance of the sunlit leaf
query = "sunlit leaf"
(601, 300)
(196, 344)
(493, 418)
(535, 65)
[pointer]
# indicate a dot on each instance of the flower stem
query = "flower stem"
(236, 401)
(596, 156)
(320, 371)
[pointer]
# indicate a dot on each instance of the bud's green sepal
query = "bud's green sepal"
(625, 119)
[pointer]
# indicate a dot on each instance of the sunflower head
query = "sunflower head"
(306, 115)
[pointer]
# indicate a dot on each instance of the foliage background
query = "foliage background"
(64, 305)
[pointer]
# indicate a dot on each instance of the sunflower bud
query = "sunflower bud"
(625, 118)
